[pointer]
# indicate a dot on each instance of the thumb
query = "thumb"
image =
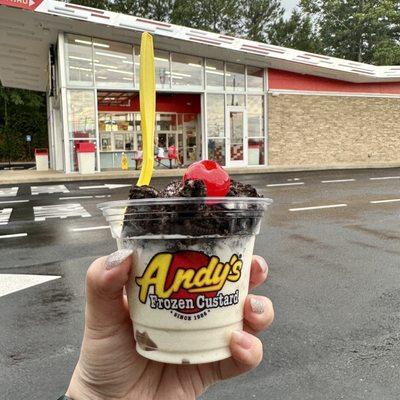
(105, 305)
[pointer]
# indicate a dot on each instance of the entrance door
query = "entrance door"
(236, 136)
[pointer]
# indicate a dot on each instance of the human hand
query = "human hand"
(109, 368)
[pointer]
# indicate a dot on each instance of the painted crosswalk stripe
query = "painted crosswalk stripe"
(13, 201)
(90, 228)
(317, 207)
(42, 213)
(339, 180)
(11, 283)
(48, 189)
(385, 201)
(9, 191)
(13, 235)
(285, 184)
(5, 214)
(384, 177)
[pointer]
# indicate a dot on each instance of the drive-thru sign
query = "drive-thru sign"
(25, 4)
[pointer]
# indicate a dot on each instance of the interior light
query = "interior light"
(101, 77)
(178, 74)
(161, 59)
(83, 42)
(127, 62)
(105, 65)
(208, 67)
(195, 65)
(119, 72)
(79, 58)
(216, 73)
(80, 68)
(106, 46)
(100, 53)
(127, 79)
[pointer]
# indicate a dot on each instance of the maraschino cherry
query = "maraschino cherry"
(212, 174)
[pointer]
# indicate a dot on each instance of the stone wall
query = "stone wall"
(332, 130)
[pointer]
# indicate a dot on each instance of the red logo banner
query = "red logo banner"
(25, 4)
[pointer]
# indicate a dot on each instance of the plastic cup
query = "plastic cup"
(190, 275)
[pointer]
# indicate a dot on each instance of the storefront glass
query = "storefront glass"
(187, 71)
(234, 77)
(216, 127)
(113, 63)
(81, 120)
(161, 59)
(215, 75)
(78, 57)
(235, 100)
(255, 79)
(255, 113)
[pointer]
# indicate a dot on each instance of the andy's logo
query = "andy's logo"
(186, 275)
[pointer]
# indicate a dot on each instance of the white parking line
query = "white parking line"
(63, 211)
(9, 191)
(285, 184)
(75, 197)
(90, 228)
(384, 201)
(384, 177)
(48, 189)
(11, 283)
(339, 180)
(13, 235)
(14, 201)
(5, 214)
(317, 207)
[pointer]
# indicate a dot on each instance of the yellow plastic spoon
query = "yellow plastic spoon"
(147, 95)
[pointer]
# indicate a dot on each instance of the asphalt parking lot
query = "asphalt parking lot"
(332, 242)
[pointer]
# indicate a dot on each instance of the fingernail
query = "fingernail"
(262, 263)
(257, 306)
(117, 258)
(242, 339)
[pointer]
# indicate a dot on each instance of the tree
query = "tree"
(359, 30)
(260, 18)
(297, 33)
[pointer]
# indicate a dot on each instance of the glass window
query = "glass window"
(256, 152)
(187, 71)
(137, 65)
(166, 122)
(215, 115)
(255, 79)
(235, 100)
(215, 74)
(113, 63)
(255, 112)
(216, 150)
(161, 59)
(78, 54)
(234, 77)
(81, 114)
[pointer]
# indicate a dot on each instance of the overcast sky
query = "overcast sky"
(289, 5)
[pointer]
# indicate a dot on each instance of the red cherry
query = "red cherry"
(212, 174)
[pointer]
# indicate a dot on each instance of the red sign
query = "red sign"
(25, 4)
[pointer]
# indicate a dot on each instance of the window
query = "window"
(187, 71)
(161, 59)
(255, 112)
(215, 115)
(113, 63)
(255, 79)
(235, 100)
(215, 75)
(234, 77)
(78, 55)
(216, 150)
(81, 114)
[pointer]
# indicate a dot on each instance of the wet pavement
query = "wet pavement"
(334, 281)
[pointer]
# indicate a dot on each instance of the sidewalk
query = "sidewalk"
(33, 176)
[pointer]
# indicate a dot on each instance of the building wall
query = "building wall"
(324, 130)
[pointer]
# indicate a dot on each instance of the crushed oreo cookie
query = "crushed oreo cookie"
(190, 219)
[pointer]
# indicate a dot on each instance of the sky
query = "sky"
(289, 5)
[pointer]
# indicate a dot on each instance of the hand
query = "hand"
(109, 366)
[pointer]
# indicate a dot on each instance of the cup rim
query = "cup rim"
(263, 201)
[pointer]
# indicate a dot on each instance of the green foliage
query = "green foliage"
(22, 113)
(297, 33)
(359, 30)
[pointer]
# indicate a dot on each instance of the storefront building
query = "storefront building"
(241, 103)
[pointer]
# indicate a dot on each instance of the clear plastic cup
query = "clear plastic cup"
(192, 260)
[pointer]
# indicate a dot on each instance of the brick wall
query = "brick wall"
(332, 130)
